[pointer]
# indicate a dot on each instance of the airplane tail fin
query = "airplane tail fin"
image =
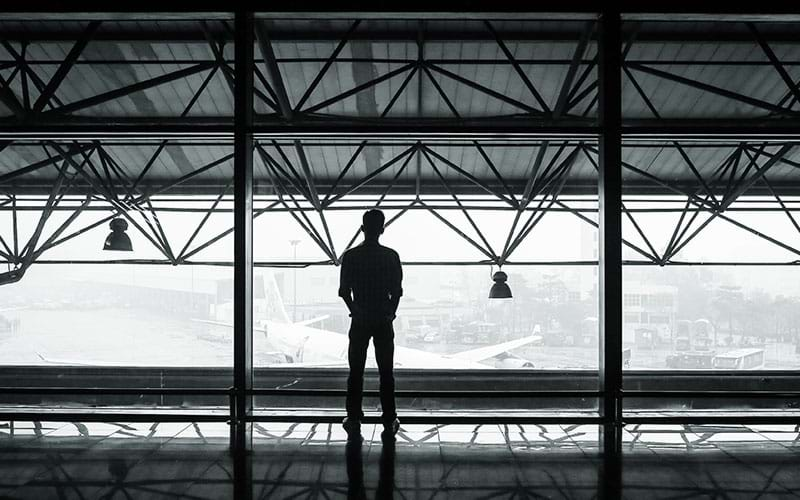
(269, 305)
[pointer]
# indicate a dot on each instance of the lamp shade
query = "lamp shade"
(117, 240)
(500, 289)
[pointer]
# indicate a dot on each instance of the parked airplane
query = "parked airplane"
(297, 344)
(300, 345)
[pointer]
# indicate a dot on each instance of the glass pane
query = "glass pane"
(448, 229)
(709, 282)
(122, 270)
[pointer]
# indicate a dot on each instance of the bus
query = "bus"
(740, 359)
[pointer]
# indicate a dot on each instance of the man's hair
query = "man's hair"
(372, 222)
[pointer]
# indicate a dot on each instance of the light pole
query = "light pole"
(294, 244)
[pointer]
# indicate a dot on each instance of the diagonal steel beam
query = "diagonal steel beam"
(206, 216)
(222, 234)
(66, 65)
(20, 60)
(527, 81)
(581, 79)
(400, 90)
(279, 90)
(696, 173)
(407, 154)
(460, 205)
(577, 57)
(308, 176)
(149, 164)
(759, 234)
(439, 90)
(659, 181)
(75, 150)
(26, 93)
(495, 171)
(359, 88)
(459, 232)
(130, 89)
(654, 111)
(469, 176)
(745, 185)
(736, 96)
(589, 221)
(269, 161)
(734, 167)
(64, 225)
(343, 172)
(781, 203)
(273, 97)
(537, 163)
(29, 250)
(654, 257)
(10, 99)
(217, 49)
(678, 232)
(180, 180)
(327, 231)
(290, 165)
(304, 223)
(582, 95)
(555, 185)
(327, 65)
(793, 88)
(484, 89)
(217, 52)
(315, 201)
(717, 213)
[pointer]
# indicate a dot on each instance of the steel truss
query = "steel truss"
(97, 182)
(35, 103)
(270, 89)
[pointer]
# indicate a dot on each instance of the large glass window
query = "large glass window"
(710, 225)
(451, 233)
(116, 243)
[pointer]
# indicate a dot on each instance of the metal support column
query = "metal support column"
(241, 438)
(610, 218)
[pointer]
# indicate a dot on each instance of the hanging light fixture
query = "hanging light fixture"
(117, 240)
(500, 289)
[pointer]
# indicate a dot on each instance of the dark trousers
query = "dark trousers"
(382, 335)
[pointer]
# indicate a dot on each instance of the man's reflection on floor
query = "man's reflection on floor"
(355, 468)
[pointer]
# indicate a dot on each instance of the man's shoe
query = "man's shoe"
(352, 426)
(392, 427)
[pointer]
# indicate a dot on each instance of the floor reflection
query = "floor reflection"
(294, 460)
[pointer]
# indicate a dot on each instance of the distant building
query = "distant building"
(649, 313)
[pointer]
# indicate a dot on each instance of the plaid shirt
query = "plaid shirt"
(373, 274)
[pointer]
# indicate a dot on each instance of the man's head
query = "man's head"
(372, 223)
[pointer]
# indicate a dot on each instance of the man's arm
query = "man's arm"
(345, 287)
(397, 286)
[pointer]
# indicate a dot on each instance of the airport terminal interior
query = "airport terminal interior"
(597, 213)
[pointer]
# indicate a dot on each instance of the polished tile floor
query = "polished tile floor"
(184, 460)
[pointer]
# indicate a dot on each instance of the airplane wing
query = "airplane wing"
(222, 323)
(312, 320)
(72, 362)
(301, 364)
(481, 353)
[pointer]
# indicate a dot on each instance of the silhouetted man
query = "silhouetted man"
(370, 284)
